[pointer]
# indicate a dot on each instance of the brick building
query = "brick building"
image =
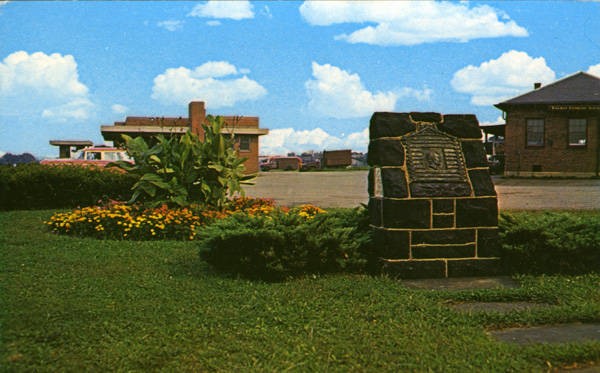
(554, 130)
(245, 130)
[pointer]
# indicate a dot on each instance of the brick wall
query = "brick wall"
(197, 113)
(556, 157)
(251, 163)
(239, 121)
(155, 121)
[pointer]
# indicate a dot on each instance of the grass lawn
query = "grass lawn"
(69, 304)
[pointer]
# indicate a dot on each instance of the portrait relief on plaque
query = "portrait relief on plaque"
(434, 159)
(433, 156)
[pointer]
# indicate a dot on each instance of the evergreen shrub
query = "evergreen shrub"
(551, 242)
(35, 186)
(283, 244)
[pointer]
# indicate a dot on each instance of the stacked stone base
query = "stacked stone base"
(438, 237)
(439, 268)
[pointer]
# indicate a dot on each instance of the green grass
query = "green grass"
(69, 304)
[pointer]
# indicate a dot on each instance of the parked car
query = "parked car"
(496, 163)
(92, 156)
(280, 163)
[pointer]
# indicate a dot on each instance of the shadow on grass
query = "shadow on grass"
(190, 264)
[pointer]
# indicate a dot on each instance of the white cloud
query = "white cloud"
(170, 25)
(41, 84)
(1, 152)
(77, 109)
(411, 22)
(494, 81)
(215, 69)
(235, 10)
(285, 140)
(213, 23)
(336, 93)
(594, 70)
(498, 120)
(420, 94)
(119, 109)
(182, 85)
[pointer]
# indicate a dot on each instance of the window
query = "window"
(535, 132)
(577, 132)
(91, 156)
(244, 143)
(111, 156)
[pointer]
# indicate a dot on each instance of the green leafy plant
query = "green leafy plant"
(181, 170)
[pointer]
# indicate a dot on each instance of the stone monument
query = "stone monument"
(432, 203)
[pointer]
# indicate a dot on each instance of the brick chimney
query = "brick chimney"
(197, 114)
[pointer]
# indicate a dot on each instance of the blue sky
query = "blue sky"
(313, 72)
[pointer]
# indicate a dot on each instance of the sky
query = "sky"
(314, 72)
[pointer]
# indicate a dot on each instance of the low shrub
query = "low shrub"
(282, 244)
(550, 243)
(35, 186)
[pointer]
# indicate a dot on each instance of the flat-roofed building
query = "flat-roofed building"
(67, 148)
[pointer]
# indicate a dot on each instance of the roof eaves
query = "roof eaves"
(511, 101)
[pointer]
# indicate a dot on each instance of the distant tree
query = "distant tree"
(10, 159)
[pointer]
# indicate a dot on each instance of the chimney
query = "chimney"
(537, 85)
(197, 114)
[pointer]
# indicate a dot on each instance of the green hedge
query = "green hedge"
(35, 186)
(282, 245)
(551, 242)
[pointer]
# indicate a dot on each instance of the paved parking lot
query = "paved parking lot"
(349, 189)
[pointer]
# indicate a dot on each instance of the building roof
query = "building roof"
(494, 129)
(579, 88)
(143, 129)
(112, 133)
(71, 142)
(148, 126)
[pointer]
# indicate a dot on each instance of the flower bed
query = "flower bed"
(120, 221)
(130, 222)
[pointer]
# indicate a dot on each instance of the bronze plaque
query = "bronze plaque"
(434, 157)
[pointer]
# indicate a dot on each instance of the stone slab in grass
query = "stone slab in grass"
(564, 333)
(502, 307)
(578, 369)
(462, 283)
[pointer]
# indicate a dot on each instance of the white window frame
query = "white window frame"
(536, 141)
(580, 140)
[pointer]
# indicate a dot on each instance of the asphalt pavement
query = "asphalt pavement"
(349, 189)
